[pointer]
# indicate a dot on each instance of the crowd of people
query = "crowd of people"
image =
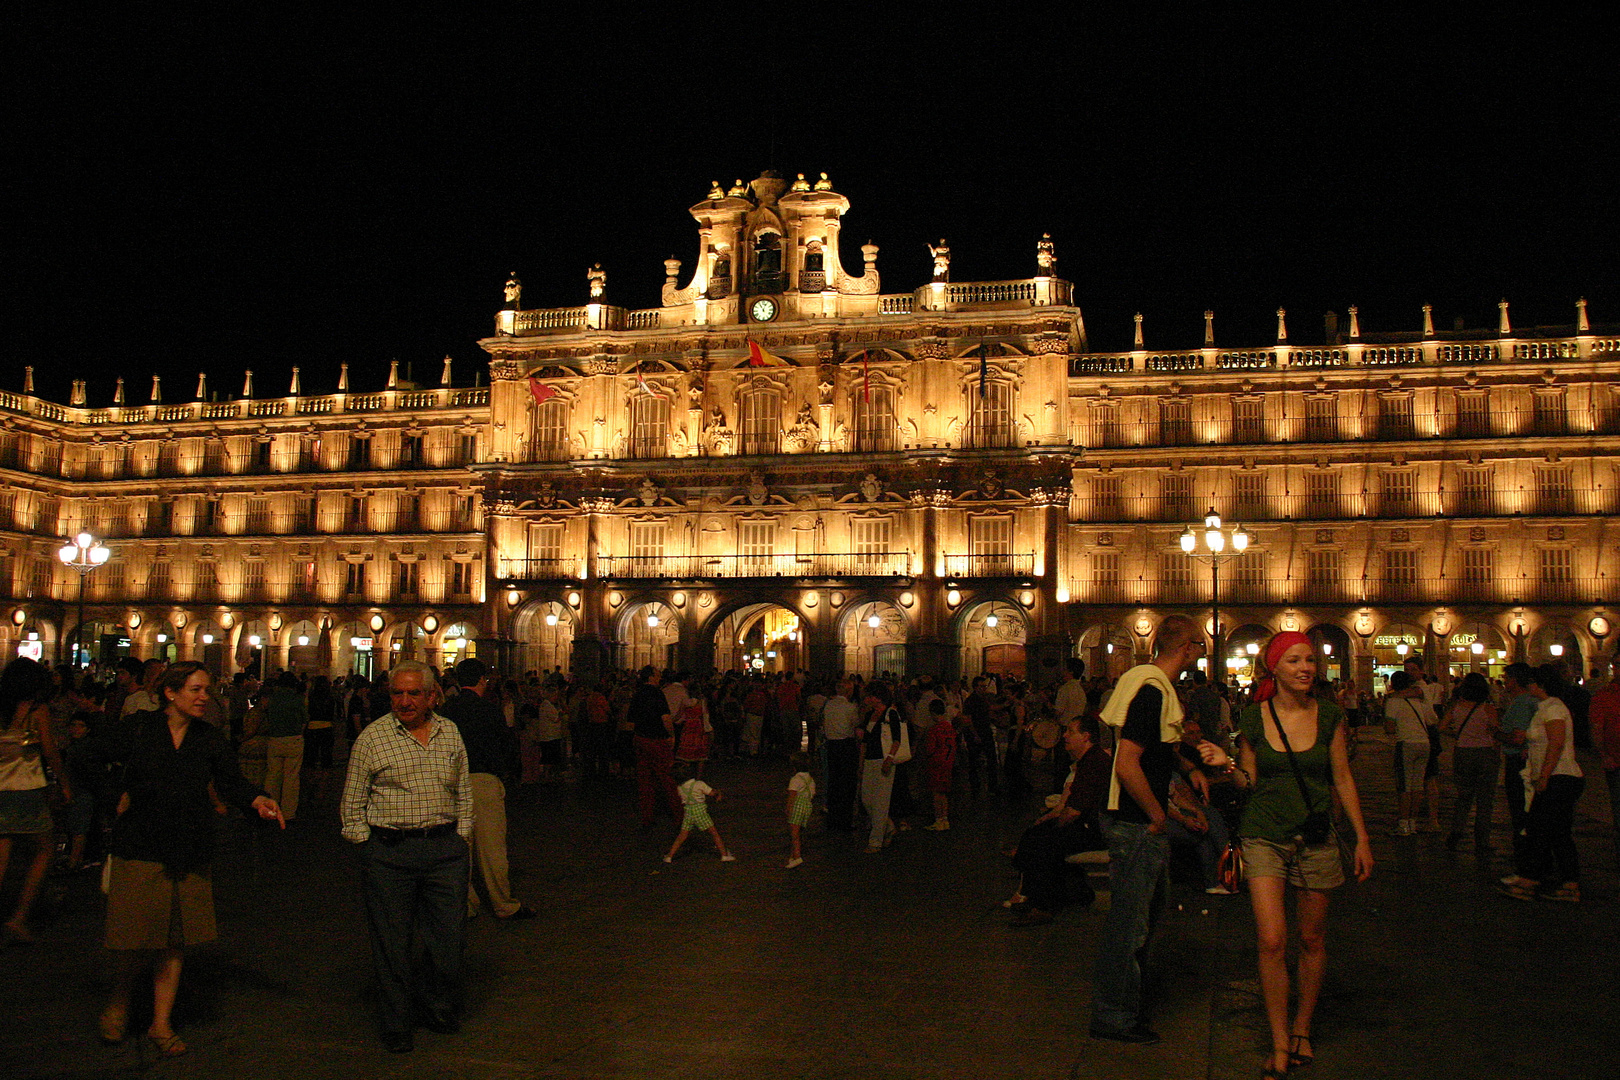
(128, 769)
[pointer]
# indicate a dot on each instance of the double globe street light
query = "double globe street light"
(1215, 550)
(83, 553)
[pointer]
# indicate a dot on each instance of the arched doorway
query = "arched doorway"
(1476, 646)
(992, 635)
(354, 650)
(210, 647)
(253, 649)
(1555, 643)
(760, 637)
(459, 642)
(1106, 649)
(1240, 664)
(1390, 648)
(1332, 650)
(545, 631)
(648, 634)
(304, 648)
(406, 641)
(164, 639)
(873, 638)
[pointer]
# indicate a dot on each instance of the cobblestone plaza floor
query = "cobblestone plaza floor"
(888, 966)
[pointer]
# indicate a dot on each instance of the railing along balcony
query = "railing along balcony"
(1461, 588)
(806, 565)
(984, 566)
(539, 569)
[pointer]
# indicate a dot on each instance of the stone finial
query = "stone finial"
(444, 376)
(79, 394)
(737, 189)
(393, 374)
(1137, 344)
(1503, 327)
(1045, 255)
(513, 292)
(202, 386)
(801, 184)
(869, 253)
(247, 384)
(942, 260)
(1428, 320)
(28, 380)
(596, 278)
(1209, 329)
(343, 378)
(824, 184)
(1282, 327)
(1355, 323)
(715, 190)
(672, 271)
(157, 390)
(118, 391)
(294, 388)
(1583, 325)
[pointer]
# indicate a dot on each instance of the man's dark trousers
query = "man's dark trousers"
(416, 886)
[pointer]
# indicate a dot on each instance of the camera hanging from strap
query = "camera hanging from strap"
(1315, 829)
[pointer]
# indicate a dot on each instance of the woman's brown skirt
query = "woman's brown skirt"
(146, 909)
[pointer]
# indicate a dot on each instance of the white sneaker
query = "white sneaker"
(728, 857)
(791, 863)
(669, 858)
(1404, 828)
(1219, 890)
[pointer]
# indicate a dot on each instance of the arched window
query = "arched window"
(991, 407)
(649, 426)
(550, 431)
(761, 421)
(874, 418)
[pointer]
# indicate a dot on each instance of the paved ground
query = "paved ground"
(897, 965)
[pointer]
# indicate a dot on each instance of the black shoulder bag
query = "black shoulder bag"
(1317, 827)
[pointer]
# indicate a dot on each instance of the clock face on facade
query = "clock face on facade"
(763, 309)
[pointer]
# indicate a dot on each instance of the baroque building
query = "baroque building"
(312, 531)
(785, 467)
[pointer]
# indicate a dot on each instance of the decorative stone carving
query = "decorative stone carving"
(513, 292)
(596, 277)
(757, 492)
(649, 492)
(599, 365)
(1048, 344)
(547, 496)
(990, 485)
(1476, 534)
(942, 260)
(931, 350)
(504, 370)
(1105, 539)
(1324, 536)
(1555, 532)
(871, 488)
(1400, 536)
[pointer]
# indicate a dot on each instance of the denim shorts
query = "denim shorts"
(1301, 865)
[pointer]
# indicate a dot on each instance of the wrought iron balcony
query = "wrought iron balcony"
(808, 565)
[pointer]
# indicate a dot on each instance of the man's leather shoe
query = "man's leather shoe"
(443, 1023)
(523, 912)
(398, 1042)
(1141, 1034)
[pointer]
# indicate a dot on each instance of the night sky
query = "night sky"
(198, 188)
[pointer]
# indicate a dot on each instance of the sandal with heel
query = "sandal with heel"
(1297, 1059)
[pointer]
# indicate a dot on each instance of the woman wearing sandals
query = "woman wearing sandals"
(159, 897)
(1292, 755)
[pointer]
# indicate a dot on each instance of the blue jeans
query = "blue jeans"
(1136, 874)
(1209, 844)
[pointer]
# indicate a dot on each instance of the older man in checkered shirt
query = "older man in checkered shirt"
(408, 804)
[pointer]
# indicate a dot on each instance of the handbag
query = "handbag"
(1230, 872)
(900, 749)
(1317, 827)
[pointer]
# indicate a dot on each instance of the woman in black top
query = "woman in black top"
(159, 894)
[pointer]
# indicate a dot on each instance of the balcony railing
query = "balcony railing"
(539, 569)
(986, 566)
(1459, 588)
(1417, 505)
(810, 565)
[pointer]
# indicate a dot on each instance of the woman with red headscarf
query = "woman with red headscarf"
(1292, 753)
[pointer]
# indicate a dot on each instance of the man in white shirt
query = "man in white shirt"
(838, 719)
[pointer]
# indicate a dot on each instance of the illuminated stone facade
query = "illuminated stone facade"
(309, 530)
(784, 466)
(948, 479)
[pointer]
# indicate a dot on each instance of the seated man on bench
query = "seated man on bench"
(1069, 827)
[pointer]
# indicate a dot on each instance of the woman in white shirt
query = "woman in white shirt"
(1552, 782)
(1408, 717)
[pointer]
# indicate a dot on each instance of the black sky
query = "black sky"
(239, 188)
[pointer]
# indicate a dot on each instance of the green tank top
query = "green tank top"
(1275, 810)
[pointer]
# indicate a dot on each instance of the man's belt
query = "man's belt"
(380, 833)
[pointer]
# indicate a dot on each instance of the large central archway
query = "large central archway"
(872, 636)
(992, 635)
(648, 634)
(761, 637)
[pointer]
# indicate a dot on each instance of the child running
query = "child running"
(801, 793)
(693, 794)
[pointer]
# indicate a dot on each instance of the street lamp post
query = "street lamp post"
(83, 553)
(1215, 550)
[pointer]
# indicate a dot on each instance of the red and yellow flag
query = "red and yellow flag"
(759, 357)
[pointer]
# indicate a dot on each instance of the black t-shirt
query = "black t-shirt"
(1158, 757)
(647, 711)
